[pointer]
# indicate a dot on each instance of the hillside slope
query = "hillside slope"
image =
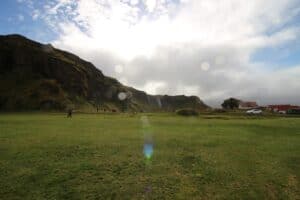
(35, 76)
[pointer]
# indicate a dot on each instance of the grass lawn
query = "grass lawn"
(48, 156)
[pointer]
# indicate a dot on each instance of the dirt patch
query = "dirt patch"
(271, 191)
(292, 181)
(292, 188)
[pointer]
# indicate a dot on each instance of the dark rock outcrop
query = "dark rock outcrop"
(37, 76)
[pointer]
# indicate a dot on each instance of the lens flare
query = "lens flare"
(148, 151)
(148, 141)
(122, 96)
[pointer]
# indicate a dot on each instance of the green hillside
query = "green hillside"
(35, 76)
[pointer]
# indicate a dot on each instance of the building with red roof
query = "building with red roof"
(282, 108)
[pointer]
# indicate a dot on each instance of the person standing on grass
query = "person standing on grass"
(70, 112)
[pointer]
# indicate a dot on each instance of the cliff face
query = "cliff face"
(37, 76)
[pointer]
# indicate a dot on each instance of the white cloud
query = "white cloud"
(153, 87)
(35, 14)
(134, 2)
(150, 4)
(192, 47)
(20, 17)
(115, 26)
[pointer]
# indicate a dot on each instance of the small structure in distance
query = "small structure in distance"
(246, 105)
(283, 109)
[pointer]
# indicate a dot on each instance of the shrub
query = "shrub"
(294, 111)
(219, 110)
(231, 103)
(187, 112)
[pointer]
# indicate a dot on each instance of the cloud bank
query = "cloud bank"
(187, 47)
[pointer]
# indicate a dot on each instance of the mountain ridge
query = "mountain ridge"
(37, 76)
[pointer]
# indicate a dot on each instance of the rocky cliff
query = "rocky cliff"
(36, 76)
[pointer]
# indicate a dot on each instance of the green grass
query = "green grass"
(47, 156)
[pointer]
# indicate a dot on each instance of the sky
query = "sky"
(214, 49)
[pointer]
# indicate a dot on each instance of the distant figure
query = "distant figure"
(70, 112)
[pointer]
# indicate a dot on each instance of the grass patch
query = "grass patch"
(47, 156)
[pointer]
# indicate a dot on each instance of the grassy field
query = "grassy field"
(48, 156)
